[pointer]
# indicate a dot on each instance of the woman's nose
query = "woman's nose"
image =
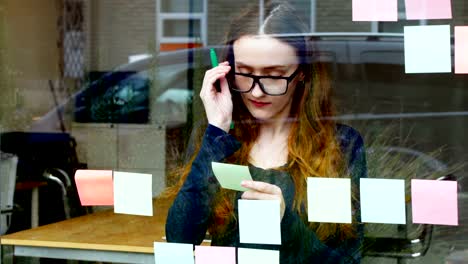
(257, 91)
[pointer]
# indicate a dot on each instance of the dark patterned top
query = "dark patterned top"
(189, 215)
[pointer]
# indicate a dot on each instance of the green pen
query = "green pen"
(214, 63)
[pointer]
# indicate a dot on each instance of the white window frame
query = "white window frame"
(161, 17)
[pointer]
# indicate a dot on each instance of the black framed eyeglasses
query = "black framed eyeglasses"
(270, 85)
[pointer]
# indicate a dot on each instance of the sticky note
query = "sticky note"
(375, 10)
(259, 221)
(95, 187)
(461, 50)
(173, 253)
(434, 202)
(428, 9)
(257, 256)
(215, 255)
(427, 49)
(383, 201)
(133, 193)
(230, 176)
(329, 200)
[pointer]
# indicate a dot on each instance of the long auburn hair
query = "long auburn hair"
(313, 149)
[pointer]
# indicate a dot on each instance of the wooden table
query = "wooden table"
(102, 236)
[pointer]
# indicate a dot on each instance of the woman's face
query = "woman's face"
(266, 56)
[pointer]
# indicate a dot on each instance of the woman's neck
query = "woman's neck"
(270, 149)
(275, 128)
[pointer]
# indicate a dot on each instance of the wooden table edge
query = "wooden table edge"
(71, 245)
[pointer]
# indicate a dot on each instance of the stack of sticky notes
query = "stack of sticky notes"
(129, 193)
(230, 176)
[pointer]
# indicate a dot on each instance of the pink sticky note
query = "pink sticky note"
(434, 202)
(461, 49)
(215, 255)
(95, 187)
(375, 10)
(428, 9)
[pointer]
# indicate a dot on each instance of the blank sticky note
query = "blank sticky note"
(383, 201)
(427, 49)
(95, 187)
(257, 256)
(259, 221)
(375, 10)
(434, 202)
(428, 9)
(173, 253)
(230, 176)
(461, 50)
(133, 193)
(329, 200)
(215, 255)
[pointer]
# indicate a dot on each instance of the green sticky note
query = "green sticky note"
(230, 176)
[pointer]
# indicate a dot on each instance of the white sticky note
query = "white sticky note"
(133, 193)
(329, 200)
(173, 253)
(383, 201)
(257, 256)
(230, 176)
(260, 221)
(427, 49)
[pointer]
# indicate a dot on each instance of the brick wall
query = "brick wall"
(336, 16)
(120, 28)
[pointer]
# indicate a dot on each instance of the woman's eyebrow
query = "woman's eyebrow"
(269, 67)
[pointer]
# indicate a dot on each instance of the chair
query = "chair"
(408, 241)
(50, 158)
(8, 164)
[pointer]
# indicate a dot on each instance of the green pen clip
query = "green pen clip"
(214, 63)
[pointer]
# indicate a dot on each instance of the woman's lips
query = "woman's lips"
(259, 104)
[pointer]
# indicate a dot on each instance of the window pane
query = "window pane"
(396, 27)
(182, 28)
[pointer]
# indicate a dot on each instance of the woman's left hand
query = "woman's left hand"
(263, 191)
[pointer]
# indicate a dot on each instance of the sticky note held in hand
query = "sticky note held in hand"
(230, 176)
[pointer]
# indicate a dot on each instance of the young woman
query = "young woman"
(280, 105)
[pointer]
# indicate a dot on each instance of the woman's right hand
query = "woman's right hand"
(218, 105)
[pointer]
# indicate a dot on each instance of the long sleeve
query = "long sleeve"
(309, 247)
(187, 219)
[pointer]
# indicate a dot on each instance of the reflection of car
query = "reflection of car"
(119, 97)
(367, 70)
(125, 94)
